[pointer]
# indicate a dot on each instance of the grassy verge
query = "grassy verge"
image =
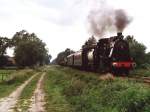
(72, 90)
(5, 74)
(6, 87)
(25, 98)
(56, 101)
(141, 72)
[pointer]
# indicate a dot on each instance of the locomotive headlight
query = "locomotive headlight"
(114, 64)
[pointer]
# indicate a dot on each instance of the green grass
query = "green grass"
(56, 101)
(140, 72)
(5, 74)
(70, 90)
(7, 86)
(25, 98)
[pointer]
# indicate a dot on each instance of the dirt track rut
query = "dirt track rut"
(37, 99)
(7, 103)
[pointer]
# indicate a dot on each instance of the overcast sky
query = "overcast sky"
(62, 24)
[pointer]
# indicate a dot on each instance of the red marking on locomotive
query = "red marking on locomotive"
(124, 64)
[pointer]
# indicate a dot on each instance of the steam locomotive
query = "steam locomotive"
(107, 55)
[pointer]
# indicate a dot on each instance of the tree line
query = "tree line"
(138, 52)
(29, 50)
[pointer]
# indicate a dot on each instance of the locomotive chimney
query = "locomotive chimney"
(119, 34)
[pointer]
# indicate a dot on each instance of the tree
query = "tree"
(29, 49)
(62, 55)
(23, 36)
(137, 50)
(4, 44)
(148, 57)
(90, 42)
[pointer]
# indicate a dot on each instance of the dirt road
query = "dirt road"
(7, 103)
(37, 104)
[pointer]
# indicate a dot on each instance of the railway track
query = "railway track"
(141, 79)
(145, 80)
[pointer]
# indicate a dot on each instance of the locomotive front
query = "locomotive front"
(113, 55)
(120, 59)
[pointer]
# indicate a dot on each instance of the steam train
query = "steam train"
(107, 55)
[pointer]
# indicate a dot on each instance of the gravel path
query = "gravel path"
(8, 103)
(37, 99)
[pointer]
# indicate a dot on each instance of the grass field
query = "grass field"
(9, 85)
(5, 74)
(70, 90)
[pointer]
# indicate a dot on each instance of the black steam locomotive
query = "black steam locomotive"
(107, 55)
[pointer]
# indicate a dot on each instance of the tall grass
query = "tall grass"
(84, 92)
(7, 86)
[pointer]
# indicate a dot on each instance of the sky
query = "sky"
(63, 24)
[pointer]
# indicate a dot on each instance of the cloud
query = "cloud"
(56, 26)
(62, 23)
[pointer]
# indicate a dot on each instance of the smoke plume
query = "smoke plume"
(121, 19)
(107, 19)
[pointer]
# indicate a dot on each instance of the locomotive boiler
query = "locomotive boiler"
(107, 55)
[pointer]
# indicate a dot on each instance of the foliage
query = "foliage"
(91, 41)
(84, 92)
(29, 49)
(4, 44)
(137, 51)
(62, 55)
(148, 58)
